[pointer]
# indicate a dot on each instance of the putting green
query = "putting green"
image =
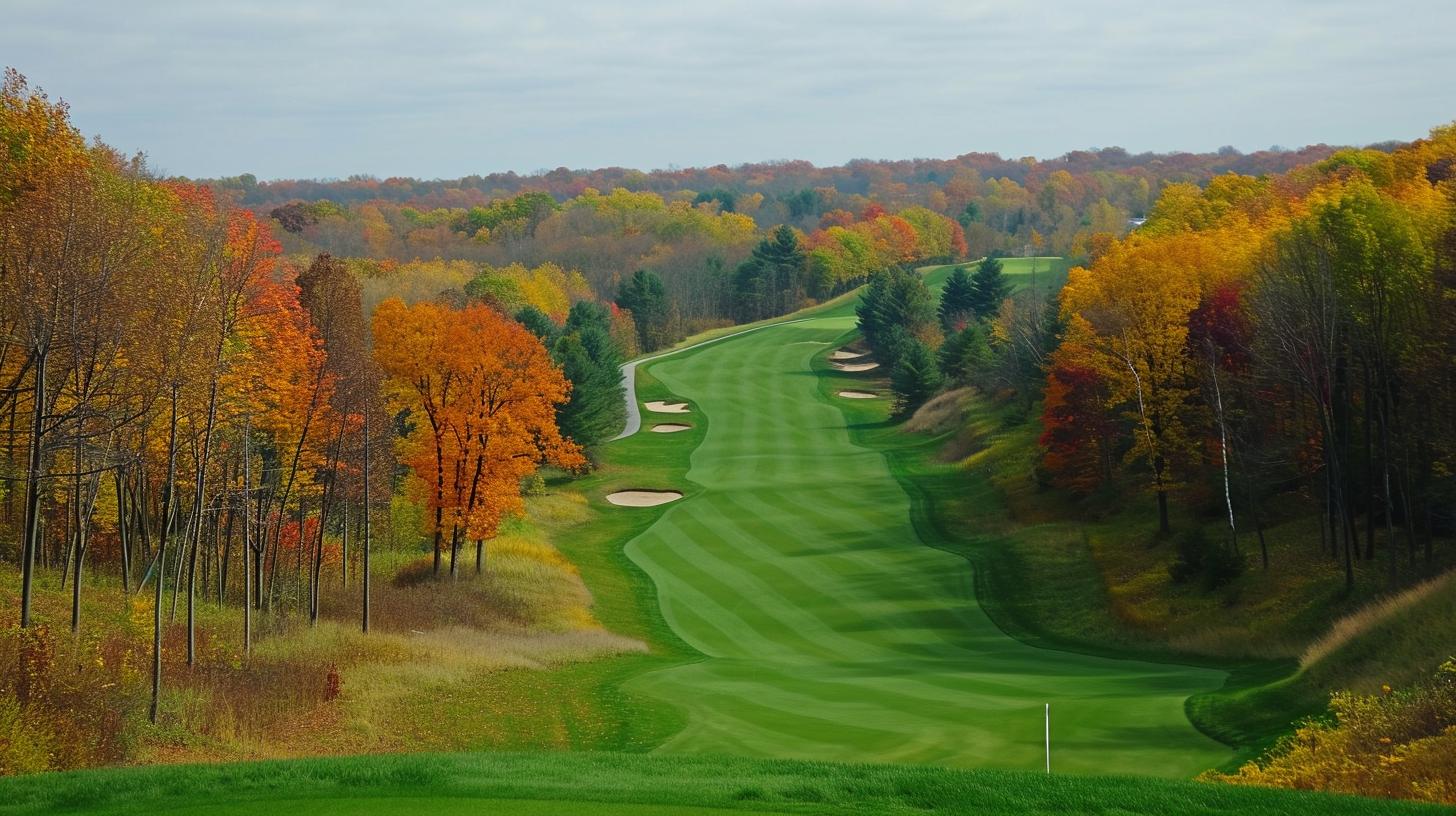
(831, 632)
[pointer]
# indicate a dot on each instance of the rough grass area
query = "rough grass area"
(597, 784)
(1390, 617)
(308, 690)
(945, 412)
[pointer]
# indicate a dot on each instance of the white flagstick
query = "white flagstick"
(1048, 737)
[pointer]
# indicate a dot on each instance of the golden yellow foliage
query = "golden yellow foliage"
(1398, 744)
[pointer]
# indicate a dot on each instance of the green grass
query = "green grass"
(584, 706)
(590, 705)
(1055, 575)
(1047, 274)
(611, 784)
(806, 599)
(832, 631)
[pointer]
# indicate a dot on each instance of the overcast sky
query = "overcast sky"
(430, 89)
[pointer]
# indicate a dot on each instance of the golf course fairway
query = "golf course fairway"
(831, 632)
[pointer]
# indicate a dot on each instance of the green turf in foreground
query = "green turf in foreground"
(612, 784)
(832, 631)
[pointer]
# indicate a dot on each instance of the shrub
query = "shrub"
(1396, 744)
(1188, 563)
(25, 747)
(1221, 565)
(1213, 564)
(533, 485)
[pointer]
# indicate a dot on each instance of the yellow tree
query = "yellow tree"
(1129, 316)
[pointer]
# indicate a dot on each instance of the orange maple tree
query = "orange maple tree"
(485, 392)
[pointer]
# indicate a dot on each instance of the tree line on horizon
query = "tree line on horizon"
(713, 267)
(798, 192)
(695, 230)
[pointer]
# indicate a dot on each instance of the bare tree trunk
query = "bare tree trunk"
(85, 507)
(365, 613)
(31, 540)
(298, 550)
(227, 553)
(344, 545)
(123, 539)
(439, 501)
(454, 550)
(1370, 472)
(1223, 447)
(1153, 450)
(140, 498)
(247, 543)
(167, 505)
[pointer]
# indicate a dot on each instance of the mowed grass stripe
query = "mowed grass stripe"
(858, 546)
(763, 717)
(769, 715)
(804, 582)
(837, 597)
(695, 612)
(899, 705)
(733, 587)
(832, 631)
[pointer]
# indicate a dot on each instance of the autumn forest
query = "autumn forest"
(886, 462)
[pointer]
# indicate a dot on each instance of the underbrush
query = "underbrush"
(1094, 571)
(1399, 744)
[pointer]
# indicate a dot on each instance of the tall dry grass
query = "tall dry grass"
(305, 689)
(1367, 618)
(940, 414)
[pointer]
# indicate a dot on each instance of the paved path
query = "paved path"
(629, 377)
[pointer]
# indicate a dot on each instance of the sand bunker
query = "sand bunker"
(847, 355)
(667, 407)
(670, 427)
(643, 498)
(856, 366)
(858, 395)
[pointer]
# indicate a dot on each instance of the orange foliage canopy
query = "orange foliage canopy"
(484, 392)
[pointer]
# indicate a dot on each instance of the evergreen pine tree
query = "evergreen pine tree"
(870, 308)
(586, 314)
(957, 300)
(914, 379)
(537, 323)
(596, 410)
(965, 356)
(990, 288)
(772, 280)
(646, 299)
